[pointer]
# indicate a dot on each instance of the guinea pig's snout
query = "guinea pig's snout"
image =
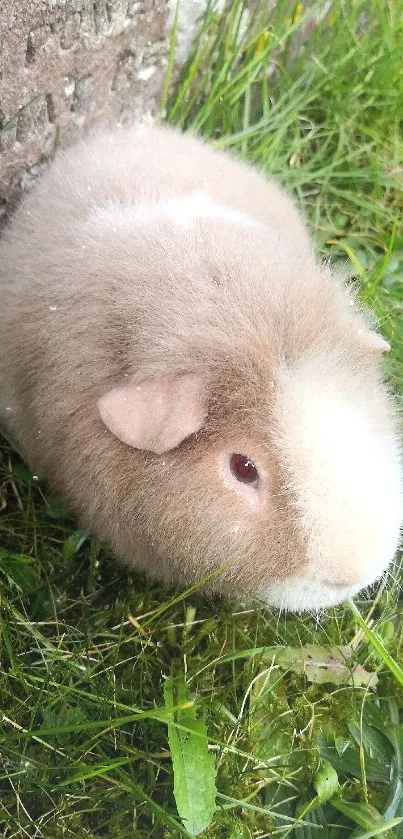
(356, 570)
(347, 482)
(345, 580)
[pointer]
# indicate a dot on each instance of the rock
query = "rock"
(68, 65)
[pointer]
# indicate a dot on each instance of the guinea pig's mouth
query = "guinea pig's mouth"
(343, 591)
(299, 594)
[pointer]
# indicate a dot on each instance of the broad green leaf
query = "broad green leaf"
(193, 766)
(18, 570)
(240, 831)
(73, 543)
(384, 830)
(21, 472)
(326, 781)
(395, 803)
(367, 817)
(375, 743)
(322, 665)
(326, 785)
(345, 759)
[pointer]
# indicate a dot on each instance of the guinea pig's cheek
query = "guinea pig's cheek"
(252, 494)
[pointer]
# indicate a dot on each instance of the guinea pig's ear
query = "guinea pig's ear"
(156, 413)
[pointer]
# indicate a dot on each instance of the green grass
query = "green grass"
(303, 716)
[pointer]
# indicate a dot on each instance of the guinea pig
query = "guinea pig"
(204, 395)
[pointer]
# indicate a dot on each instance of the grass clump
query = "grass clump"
(303, 716)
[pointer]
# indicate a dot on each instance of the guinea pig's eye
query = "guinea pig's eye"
(244, 469)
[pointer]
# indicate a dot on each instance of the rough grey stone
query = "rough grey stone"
(67, 65)
(189, 16)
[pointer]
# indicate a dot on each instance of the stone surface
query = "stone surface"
(66, 65)
(190, 14)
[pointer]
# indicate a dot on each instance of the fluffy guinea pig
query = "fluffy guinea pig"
(192, 383)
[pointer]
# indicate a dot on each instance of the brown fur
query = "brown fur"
(85, 304)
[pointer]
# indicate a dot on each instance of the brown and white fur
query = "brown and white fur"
(162, 309)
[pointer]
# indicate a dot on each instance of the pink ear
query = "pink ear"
(155, 414)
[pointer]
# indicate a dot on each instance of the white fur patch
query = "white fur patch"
(345, 475)
(180, 210)
(306, 592)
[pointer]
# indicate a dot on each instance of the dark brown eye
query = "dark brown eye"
(244, 469)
